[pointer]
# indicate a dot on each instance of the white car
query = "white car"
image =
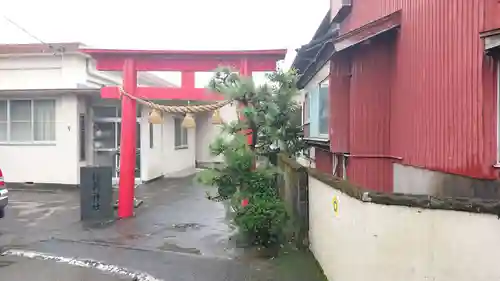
(4, 195)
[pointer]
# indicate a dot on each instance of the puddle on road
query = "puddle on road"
(104, 242)
(124, 239)
(90, 225)
(176, 248)
(183, 227)
(132, 236)
(6, 263)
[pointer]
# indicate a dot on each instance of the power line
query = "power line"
(32, 36)
(25, 31)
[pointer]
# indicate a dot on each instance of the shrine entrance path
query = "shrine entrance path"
(177, 234)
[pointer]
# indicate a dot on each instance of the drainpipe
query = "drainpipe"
(91, 72)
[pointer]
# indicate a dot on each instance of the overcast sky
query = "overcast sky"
(165, 24)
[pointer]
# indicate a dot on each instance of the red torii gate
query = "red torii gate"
(187, 62)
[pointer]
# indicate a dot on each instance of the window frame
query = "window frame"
(306, 109)
(82, 132)
(314, 112)
(184, 134)
(32, 122)
(498, 111)
(151, 135)
(327, 105)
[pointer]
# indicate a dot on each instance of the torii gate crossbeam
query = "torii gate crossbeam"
(187, 62)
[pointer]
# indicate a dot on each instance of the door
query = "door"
(137, 145)
(107, 132)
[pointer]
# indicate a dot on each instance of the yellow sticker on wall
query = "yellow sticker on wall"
(335, 204)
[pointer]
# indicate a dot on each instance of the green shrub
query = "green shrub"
(272, 121)
(263, 220)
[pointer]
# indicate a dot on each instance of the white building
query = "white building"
(312, 62)
(53, 121)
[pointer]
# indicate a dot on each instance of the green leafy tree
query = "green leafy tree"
(271, 116)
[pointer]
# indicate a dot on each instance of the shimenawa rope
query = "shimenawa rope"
(177, 108)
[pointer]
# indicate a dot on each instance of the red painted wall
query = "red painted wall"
(492, 14)
(442, 104)
(323, 160)
(340, 79)
(370, 115)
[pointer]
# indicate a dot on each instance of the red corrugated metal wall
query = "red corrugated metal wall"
(323, 160)
(492, 14)
(370, 115)
(340, 78)
(443, 112)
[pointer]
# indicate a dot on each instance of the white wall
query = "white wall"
(322, 74)
(366, 241)
(178, 162)
(206, 132)
(151, 157)
(61, 71)
(60, 163)
(51, 72)
(50, 163)
(164, 159)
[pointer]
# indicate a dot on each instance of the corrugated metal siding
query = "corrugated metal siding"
(370, 115)
(441, 113)
(323, 160)
(492, 15)
(490, 110)
(340, 79)
(491, 21)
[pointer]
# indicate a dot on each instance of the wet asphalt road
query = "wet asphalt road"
(15, 268)
(177, 234)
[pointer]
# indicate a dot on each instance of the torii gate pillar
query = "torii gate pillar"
(128, 142)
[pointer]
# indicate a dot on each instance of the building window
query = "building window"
(83, 135)
(151, 135)
(4, 119)
(181, 134)
(323, 108)
(27, 121)
(318, 110)
(306, 110)
(498, 112)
